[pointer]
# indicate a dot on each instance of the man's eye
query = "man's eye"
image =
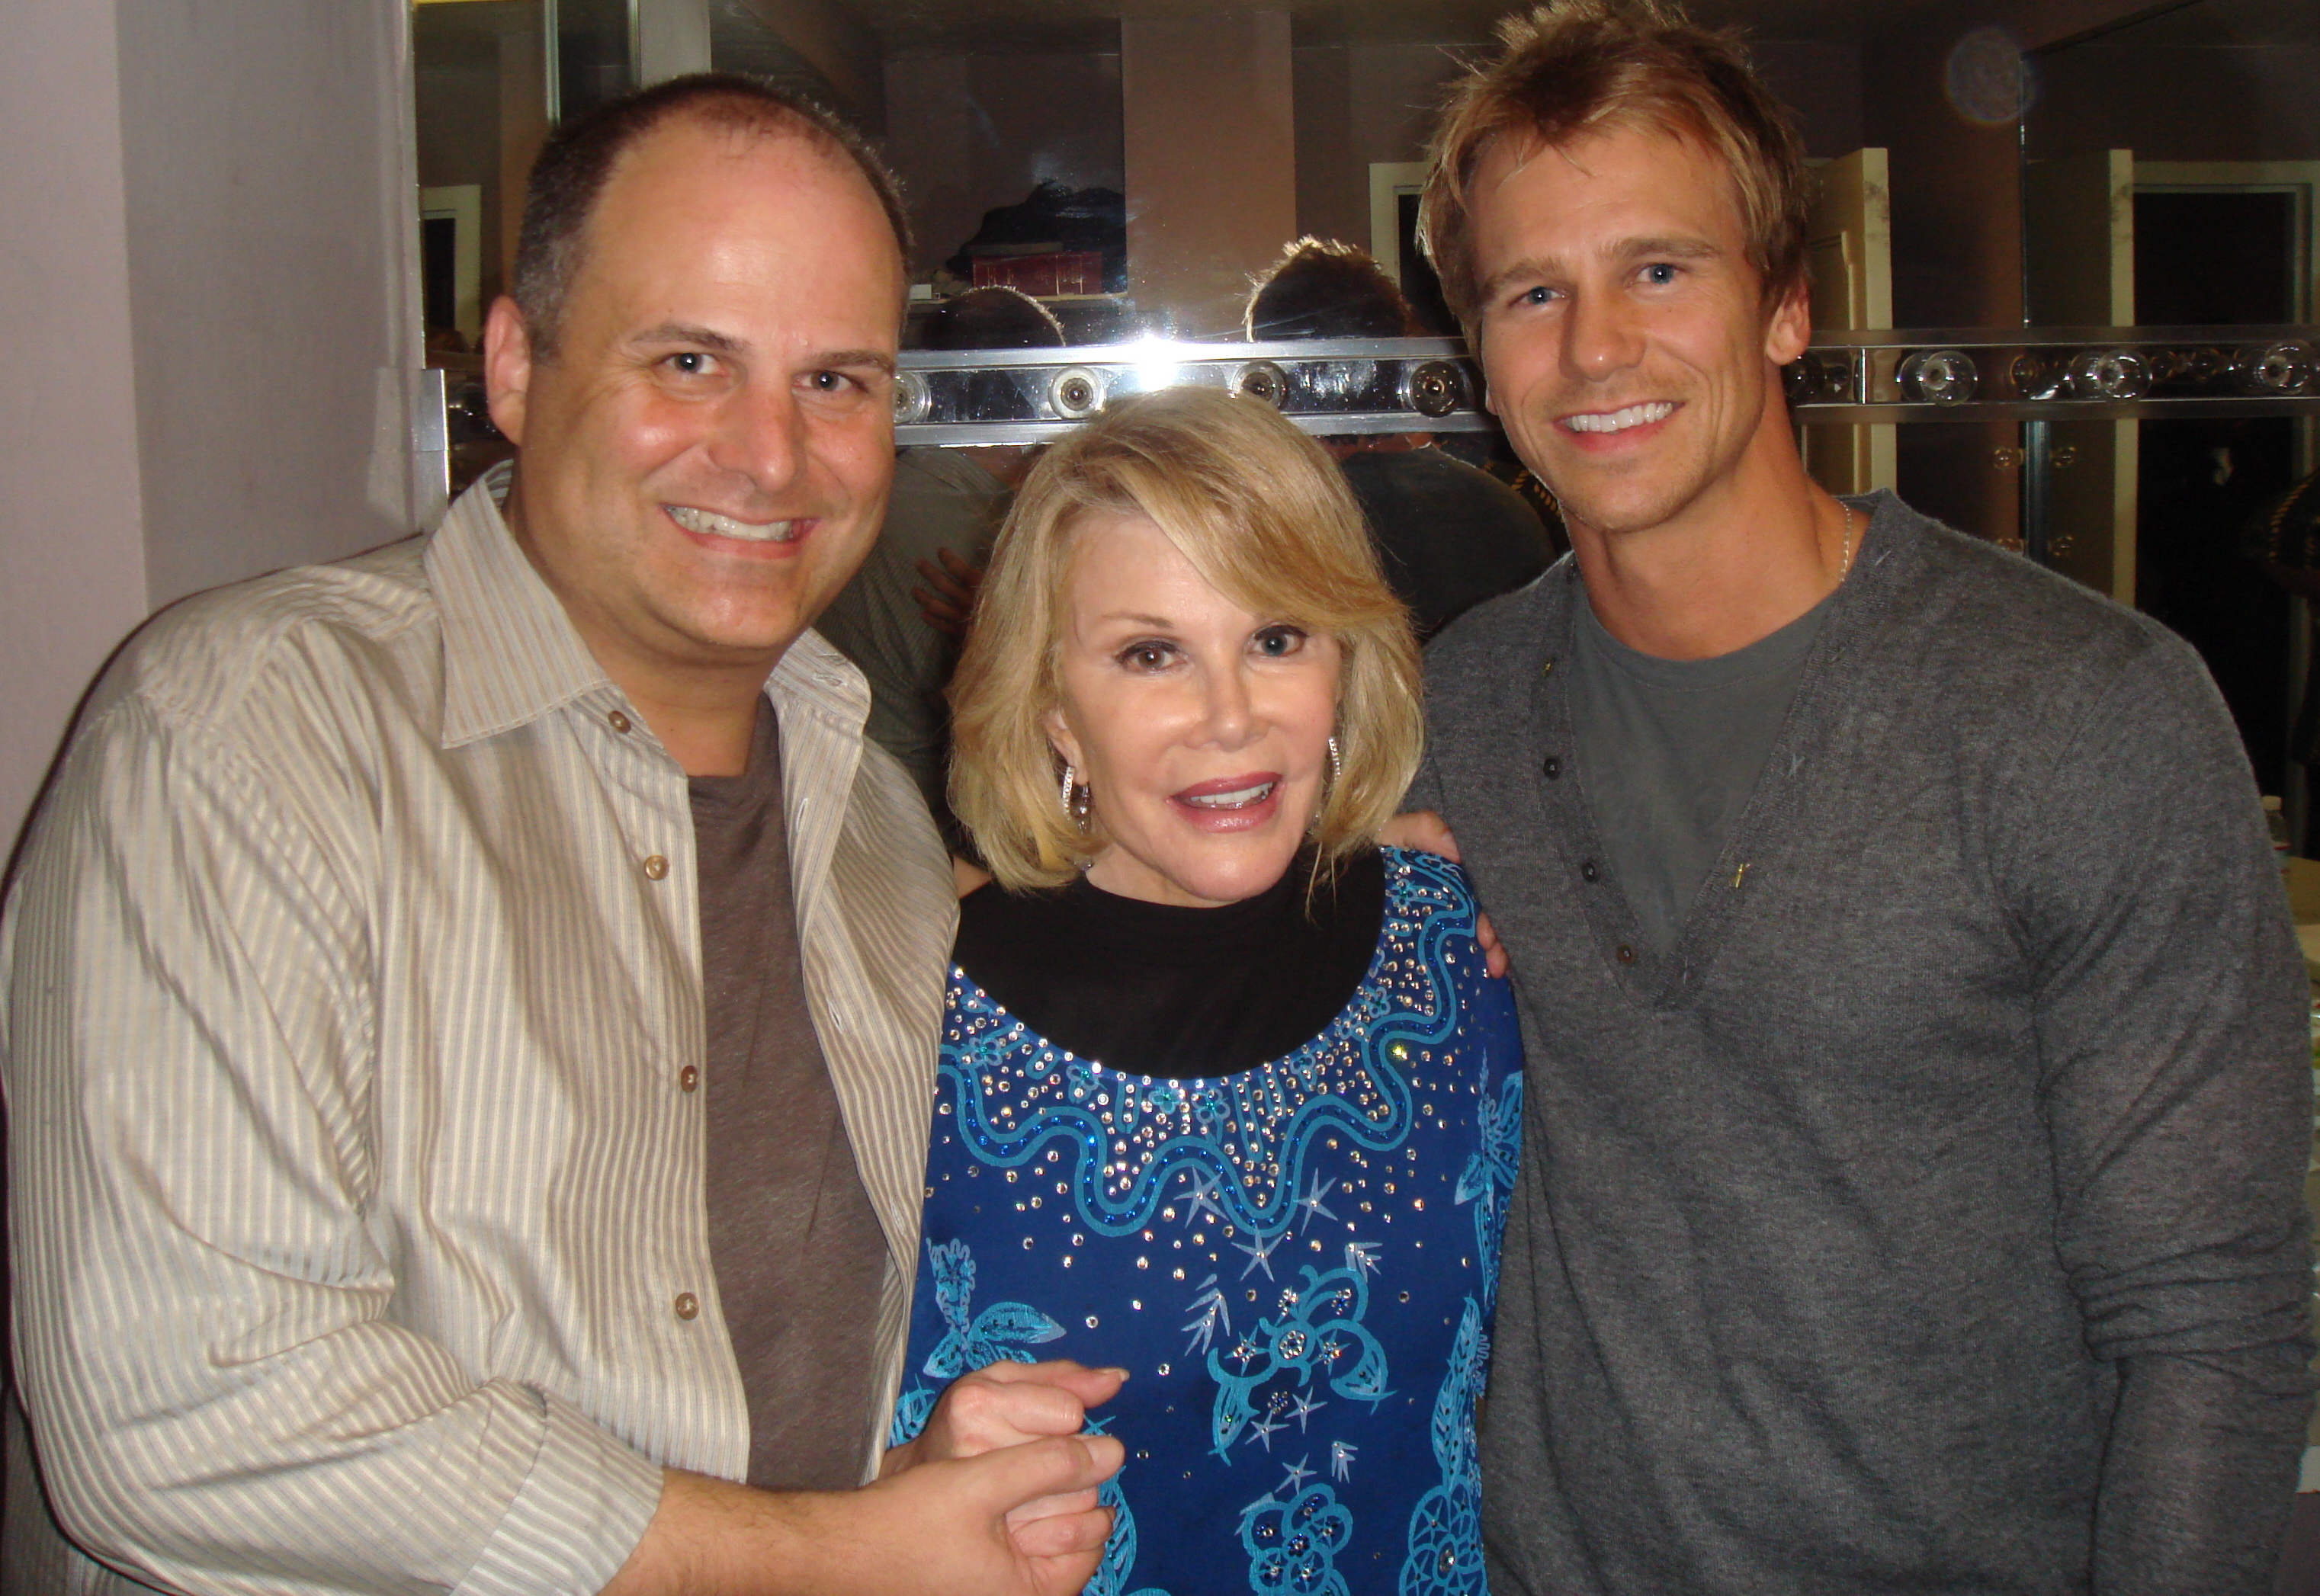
(1279, 642)
(829, 381)
(691, 363)
(1535, 296)
(1659, 273)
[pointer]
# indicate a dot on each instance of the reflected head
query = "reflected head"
(994, 317)
(1322, 288)
(571, 171)
(1259, 510)
(1565, 71)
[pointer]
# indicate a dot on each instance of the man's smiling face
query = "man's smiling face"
(705, 459)
(1628, 351)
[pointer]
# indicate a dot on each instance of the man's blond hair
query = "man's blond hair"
(1564, 71)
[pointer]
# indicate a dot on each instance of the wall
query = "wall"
(460, 143)
(72, 526)
(211, 310)
(1359, 105)
(2176, 104)
(268, 274)
(1208, 141)
(967, 133)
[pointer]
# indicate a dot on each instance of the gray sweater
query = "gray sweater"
(1930, 1218)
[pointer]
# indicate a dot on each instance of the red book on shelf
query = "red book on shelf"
(1077, 271)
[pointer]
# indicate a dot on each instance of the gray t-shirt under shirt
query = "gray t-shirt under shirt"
(1669, 751)
(798, 1256)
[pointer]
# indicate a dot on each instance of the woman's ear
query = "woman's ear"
(1060, 739)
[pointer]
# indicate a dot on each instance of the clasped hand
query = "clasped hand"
(1015, 1404)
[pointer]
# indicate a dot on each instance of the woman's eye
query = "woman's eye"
(1279, 642)
(1145, 656)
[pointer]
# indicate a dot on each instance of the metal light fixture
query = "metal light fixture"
(1433, 388)
(2284, 367)
(1262, 380)
(1076, 394)
(912, 397)
(2110, 373)
(1939, 376)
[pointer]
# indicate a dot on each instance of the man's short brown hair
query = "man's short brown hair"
(1323, 288)
(570, 175)
(1567, 70)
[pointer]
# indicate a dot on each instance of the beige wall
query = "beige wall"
(72, 526)
(1210, 161)
(210, 317)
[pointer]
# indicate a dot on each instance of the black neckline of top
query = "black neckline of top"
(1173, 989)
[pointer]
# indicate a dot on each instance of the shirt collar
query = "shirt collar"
(812, 675)
(510, 653)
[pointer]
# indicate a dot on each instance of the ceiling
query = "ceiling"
(1001, 25)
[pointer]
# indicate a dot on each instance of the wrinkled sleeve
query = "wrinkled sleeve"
(219, 1397)
(2175, 1073)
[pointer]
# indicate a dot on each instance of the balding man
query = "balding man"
(471, 1009)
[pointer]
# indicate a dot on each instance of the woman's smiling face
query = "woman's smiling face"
(1199, 729)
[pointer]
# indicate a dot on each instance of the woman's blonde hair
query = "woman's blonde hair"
(1262, 515)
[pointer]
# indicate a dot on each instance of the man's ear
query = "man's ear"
(507, 367)
(1789, 329)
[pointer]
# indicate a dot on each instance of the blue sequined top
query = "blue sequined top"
(1296, 1263)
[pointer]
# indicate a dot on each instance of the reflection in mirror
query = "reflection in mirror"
(2170, 173)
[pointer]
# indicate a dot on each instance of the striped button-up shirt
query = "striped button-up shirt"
(353, 1019)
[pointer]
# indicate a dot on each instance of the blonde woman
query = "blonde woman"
(1227, 1099)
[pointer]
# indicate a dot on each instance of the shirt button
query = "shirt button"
(1586, 869)
(1625, 954)
(688, 1306)
(1547, 668)
(620, 722)
(656, 866)
(687, 1078)
(1552, 767)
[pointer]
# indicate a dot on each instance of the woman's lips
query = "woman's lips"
(1230, 803)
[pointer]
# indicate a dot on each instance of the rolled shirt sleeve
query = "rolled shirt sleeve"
(219, 1387)
(2172, 1034)
(350, 1024)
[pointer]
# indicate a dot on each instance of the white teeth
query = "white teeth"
(1233, 801)
(710, 524)
(1634, 415)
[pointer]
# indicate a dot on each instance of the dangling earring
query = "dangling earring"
(1077, 799)
(1337, 765)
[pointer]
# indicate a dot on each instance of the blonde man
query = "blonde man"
(1912, 1197)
